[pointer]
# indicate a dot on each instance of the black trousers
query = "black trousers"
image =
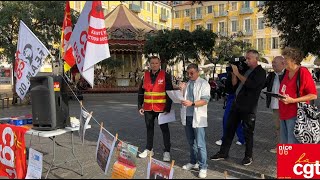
(150, 117)
(248, 122)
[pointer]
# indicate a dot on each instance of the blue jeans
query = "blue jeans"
(239, 131)
(286, 131)
(197, 143)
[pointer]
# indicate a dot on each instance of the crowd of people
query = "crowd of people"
(241, 92)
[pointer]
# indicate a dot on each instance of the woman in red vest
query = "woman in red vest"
(152, 100)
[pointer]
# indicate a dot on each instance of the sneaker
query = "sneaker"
(239, 143)
(166, 156)
(203, 173)
(274, 150)
(246, 161)
(219, 143)
(146, 153)
(190, 166)
(218, 157)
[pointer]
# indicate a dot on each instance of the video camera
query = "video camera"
(240, 62)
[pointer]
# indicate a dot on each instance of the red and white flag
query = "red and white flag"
(66, 32)
(89, 40)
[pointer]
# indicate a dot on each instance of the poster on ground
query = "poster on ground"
(34, 170)
(104, 149)
(125, 166)
(159, 170)
(84, 121)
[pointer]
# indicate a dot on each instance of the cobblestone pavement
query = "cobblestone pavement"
(119, 114)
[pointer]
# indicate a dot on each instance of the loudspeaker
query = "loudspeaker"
(50, 109)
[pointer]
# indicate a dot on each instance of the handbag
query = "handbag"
(307, 126)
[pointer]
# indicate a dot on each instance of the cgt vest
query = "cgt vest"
(154, 94)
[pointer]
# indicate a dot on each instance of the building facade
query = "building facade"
(155, 13)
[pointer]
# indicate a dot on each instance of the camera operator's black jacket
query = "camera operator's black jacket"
(247, 99)
(269, 84)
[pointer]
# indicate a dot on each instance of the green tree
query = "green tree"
(160, 44)
(298, 22)
(183, 44)
(205, 41)
(44, 19)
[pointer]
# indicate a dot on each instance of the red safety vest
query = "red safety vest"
(154, 94)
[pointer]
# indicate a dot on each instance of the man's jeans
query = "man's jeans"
(197, 143)
(286, 131)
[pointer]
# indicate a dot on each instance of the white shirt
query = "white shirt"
(275, 89)
(200, 114)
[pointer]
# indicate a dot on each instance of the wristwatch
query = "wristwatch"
(193, 104)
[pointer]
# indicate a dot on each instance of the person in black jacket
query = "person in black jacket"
(244, 107)
(273, 83)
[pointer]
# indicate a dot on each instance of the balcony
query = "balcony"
(196, 17)
(223, 33)
(246, 10)
(221, 14)
(135, 8)
(163, 18)
(247, 32)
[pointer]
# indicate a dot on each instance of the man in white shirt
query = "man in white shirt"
(194, 116)
(273, 83)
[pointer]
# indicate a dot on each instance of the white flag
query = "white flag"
(29, 58)
(89, 40)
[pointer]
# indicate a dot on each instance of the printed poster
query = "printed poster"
(104, 149)
(159, 170)
(34, 164)
(125, 166)
(84, 121)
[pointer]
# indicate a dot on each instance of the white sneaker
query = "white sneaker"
(239, 143)
(190, 166)
(203, 173)
(166, 156)
(219, 142)
(146, 153)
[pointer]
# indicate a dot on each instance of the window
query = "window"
(176, 27)
(209, 26)
(198, 26)
(187, 13)
(260, 44)
(260, 3)
(77, 3)
(155, 25)
(234, 25)
(176, 14)
(148, 6)
(246, 4)
(221, 7)
(168, 14)
(198, 10)
(209, 10)
(260, 23)
(142, 4)
(221, 27)
(234, 6)
(187, 27)
(155, 9)
(247, 24)
(275, 43)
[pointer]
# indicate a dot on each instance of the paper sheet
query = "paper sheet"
(34, 164)
(176, 96)
(170, 117)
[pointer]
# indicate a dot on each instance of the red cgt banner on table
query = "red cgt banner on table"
(12, 151)
(298, 161)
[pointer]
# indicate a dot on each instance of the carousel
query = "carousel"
(126, 37)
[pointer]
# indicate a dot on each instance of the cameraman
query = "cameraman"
(230, 90)
(244, 107)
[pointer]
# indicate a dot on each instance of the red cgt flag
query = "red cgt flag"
(12, 151)
(66, 51)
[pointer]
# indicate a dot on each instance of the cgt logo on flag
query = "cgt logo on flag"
(296, 161)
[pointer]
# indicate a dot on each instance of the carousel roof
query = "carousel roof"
(124, 27)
